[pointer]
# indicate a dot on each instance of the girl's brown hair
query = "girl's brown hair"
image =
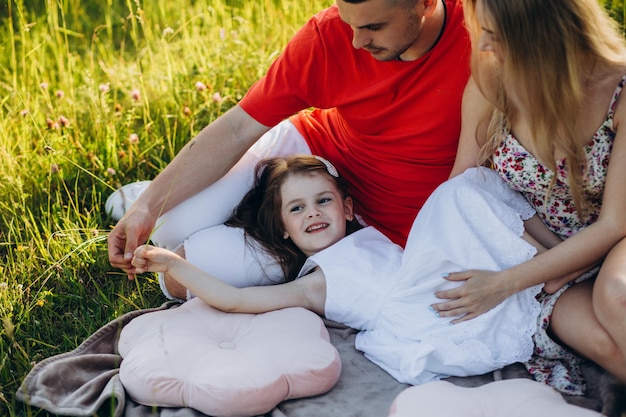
(259, 211)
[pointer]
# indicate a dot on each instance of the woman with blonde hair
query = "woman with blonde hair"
(544, 110)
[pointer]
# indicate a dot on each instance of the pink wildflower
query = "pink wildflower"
(217, 98)
(135, 94)
(111, 171)
(200, 86)
(60, 94)
(104, 88)
(51, 124)
(133, 138)
(63, 121)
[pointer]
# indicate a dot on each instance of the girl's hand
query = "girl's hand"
(149, 258)
(482, 291)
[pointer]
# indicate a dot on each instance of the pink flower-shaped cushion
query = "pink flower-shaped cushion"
(509, 397)
(226, 364)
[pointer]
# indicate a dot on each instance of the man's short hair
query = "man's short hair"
(392, 3)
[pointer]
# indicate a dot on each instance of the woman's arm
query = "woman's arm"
(536, 228)
(308, 292)
(475, 118)
(484, 290)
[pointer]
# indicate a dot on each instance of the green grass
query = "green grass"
(93, 95)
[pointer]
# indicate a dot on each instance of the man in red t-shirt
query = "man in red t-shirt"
(384, 80)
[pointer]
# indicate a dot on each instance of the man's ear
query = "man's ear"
(429, 7)
(348, 209)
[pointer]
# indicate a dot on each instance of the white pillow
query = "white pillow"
(510, 397)
(226, 364)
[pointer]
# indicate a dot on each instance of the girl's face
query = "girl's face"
(313, 212)
(488, 40)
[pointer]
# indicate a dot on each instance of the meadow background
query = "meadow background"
(95, 94)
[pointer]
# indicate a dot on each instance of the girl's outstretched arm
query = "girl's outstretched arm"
(308, 292)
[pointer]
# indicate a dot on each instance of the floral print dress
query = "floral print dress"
(552, 363)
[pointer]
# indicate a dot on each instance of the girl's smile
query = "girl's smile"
(313, 211)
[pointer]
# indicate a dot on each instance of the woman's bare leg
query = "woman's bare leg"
(575, 324)
(609, 296)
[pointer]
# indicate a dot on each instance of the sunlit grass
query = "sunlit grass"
(94, 95)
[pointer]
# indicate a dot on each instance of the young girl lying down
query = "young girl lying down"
(300, 211)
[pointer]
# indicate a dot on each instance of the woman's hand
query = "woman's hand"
(482, 291)
(556, 284)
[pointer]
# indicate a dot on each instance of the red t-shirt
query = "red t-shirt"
(390, 128)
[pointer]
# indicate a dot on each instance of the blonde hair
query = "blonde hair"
(547, 47)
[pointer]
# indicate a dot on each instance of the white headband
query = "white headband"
(329, 167)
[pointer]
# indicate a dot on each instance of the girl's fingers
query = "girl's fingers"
(139, 262)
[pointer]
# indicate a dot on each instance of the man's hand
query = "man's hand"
(132, 230)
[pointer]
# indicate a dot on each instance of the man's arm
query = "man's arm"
(203, 160)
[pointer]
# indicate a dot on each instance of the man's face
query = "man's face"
(384, 31)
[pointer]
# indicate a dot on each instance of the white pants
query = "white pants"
(197, 223)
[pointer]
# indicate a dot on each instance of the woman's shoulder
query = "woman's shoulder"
(617, 80)
(604, 84)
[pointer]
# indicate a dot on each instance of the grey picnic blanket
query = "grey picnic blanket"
(85, 382)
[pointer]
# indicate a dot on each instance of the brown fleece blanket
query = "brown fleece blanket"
(85, 382)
